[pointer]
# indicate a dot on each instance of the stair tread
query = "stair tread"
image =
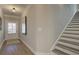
(68, 48)
(70, 42)
(73, 33)
(74, 21)
(58, 52)
(69, 45)
(72, 28)
(70, 35)
(73, 25)
(64, 50)
(68, 39)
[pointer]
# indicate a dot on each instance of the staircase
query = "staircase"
(68, 44)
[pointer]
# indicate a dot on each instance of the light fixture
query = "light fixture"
(14, 10)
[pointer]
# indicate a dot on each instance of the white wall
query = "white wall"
(30, 39)
(45, 23)
(52, 19)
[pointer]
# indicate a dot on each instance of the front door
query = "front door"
(11, 29)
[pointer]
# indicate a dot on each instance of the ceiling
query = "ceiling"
(7, 9)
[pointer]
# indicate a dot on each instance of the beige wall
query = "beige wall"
(44, 25)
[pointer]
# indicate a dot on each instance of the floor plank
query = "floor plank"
(15, 49)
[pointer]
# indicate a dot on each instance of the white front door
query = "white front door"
(11, 29)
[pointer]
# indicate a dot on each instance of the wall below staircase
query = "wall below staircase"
(44, 25)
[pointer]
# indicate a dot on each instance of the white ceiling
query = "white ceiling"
(7, 9)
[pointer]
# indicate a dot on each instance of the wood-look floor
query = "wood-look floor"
(15, 49)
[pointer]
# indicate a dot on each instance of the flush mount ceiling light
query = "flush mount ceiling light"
(14, 10)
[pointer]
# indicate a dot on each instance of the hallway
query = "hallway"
(36, 27)
(14, 48)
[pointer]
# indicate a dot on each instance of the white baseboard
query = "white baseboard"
(41, 53)
(1, 43)
(52, 53)
(33, 51)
